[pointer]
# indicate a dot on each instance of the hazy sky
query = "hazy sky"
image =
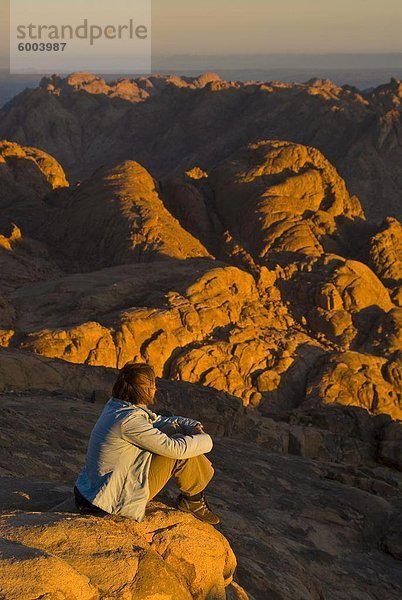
(266, 26)
(261, 26)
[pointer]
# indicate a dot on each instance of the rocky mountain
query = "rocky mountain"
(170, 124)
(270, 292)
(269, 303)
(26, 176)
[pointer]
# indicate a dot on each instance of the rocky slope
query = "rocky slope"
(171, 124)
(270, 307)
(277, 304)
(306, 501)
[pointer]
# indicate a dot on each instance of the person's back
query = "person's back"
(109, 460)
(128, 453)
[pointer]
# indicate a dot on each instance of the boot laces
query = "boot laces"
(204, 502)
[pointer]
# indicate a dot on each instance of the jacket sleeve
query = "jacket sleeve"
(184, 422)
(139, 431)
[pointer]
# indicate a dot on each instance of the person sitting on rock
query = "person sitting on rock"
(133, 452)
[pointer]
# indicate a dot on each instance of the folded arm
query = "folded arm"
(186, 424)
(139, 431)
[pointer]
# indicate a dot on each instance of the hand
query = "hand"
(171, 429)
(197, 429)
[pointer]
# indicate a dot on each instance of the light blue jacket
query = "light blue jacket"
(115, 475)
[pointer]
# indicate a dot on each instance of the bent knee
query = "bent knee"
(207, 465)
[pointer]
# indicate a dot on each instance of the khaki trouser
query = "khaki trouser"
(192, 475)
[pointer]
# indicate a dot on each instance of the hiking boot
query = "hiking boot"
(199, 508)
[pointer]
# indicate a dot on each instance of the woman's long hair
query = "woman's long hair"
(135, 383)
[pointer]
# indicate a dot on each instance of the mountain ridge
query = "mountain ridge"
(268, 301)
(171, 124)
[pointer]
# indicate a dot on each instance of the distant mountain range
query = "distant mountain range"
(362, 70)
(171, 124)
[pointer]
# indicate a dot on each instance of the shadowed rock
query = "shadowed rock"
(117, 217)
(26, 176)
(171, 124)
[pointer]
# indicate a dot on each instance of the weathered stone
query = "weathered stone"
(24, 371)
(128, 222)
(266, 196)
(26, 176)
(390, 449)
(386, 257)
(91, 558)
(353, 378)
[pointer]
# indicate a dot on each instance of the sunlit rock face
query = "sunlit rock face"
(246, 279)
(278, 197)
(386, 257)
(356, 379)
(169, 555)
